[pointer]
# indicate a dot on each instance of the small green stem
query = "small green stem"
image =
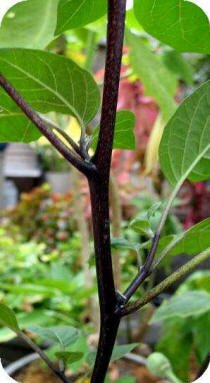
(44, 357)
(167, 249)
(65, 135)
(181, 272)
(147, 267)
(172, 377)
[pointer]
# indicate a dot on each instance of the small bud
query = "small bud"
(158, 364)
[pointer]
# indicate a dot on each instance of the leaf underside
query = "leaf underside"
(48, 82)
(193, 241)
(185, 305)
(185, 146)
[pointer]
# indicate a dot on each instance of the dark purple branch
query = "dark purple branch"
(85, 167)
(115, 36)
(99, 190)
(144, 272)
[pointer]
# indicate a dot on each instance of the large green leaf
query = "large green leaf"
(185, 305)
(7, 5)
(179, 64)
(156, 78)
(178, 23)
(185, 145)
(8, 318)
(48, 82)
(193, 241)
(198, 280)
(62, 335)
(124, 137)
(202, 335)
(77, 13)
(38, 317)
(176, 344)
(132, 22)
(14, 126)
(29, 24)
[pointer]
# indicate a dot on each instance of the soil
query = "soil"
(35, 374)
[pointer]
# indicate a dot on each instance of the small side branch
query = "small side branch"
(44, 357)
(144, 271)
(148, 266)
(68, 139)
(181, 272)
(85, 167)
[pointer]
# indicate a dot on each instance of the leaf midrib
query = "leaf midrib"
(58, 95)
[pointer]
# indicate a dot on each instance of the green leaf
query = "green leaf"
(176, 344)
(29, 24)
(131, 21)
(48, 82)
(28, 288)
(198, 280)
(178, 23)
(192, 241)
(124, 244)
(6, 7)
(179, 65)
(142, 226)
(126, 379)
(118, 352)
(69, 357)
(27, 320)
(153, 209)
(124, 137)
(121, 350)
(185, 305)
(14, 126)
(156, 78)
(185, 146)
(63, 335)
(90, 357)
(77, 13)
(8, 318)
(201, 334)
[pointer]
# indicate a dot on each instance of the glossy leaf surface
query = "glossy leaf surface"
(29, 24)
(178, 23)
(77, 13)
